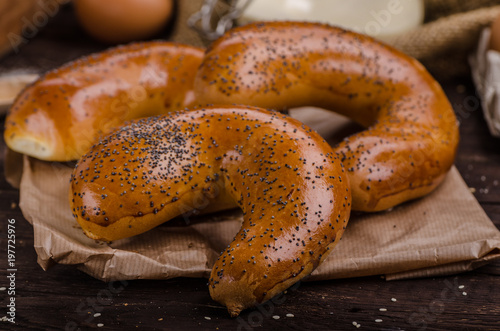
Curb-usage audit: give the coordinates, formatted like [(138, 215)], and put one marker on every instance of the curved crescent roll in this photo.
[(292, 189), (412, 132), (59, 116)]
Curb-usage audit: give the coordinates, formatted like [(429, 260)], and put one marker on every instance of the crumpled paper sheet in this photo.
[(485, 66), (444, 233)]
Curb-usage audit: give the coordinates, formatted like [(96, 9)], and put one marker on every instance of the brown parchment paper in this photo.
[(444, 233)]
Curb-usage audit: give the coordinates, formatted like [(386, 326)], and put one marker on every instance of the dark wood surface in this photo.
[(64, 298)]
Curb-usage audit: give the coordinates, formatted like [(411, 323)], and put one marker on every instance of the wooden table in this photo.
[(65, 298)]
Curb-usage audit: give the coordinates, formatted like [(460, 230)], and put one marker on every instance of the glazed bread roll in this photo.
[(59, 116), (411, 131), (287, 180)]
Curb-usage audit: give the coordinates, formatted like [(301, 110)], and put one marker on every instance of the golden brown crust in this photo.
[(412, 133), (290, 185), (59, 116)]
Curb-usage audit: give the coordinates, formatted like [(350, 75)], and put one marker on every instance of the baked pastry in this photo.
[(411, 132), (290, 185), (59, 116)]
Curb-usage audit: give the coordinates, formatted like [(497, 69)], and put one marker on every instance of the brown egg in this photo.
[(120, 21), (495, 35)]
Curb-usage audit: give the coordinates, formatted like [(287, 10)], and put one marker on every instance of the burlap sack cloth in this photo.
[(450, 33)]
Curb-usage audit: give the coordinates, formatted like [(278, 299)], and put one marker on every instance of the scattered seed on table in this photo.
[(208, 318), (3, 288), (383, 309), (276, 317), (378, 320), (290, 315), (484, 190), (461, 286), (394, 300), (100, 325), (97, 314), (464, 293)]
